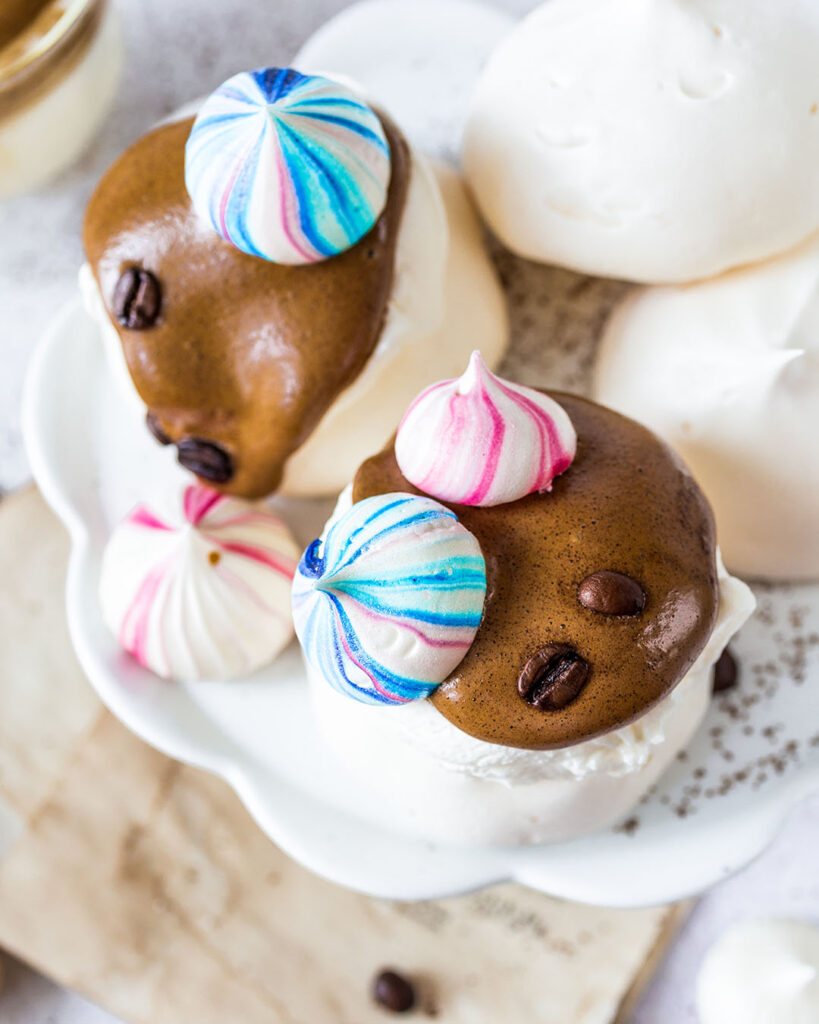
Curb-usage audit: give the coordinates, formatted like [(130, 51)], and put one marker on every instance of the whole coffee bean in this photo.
[(553, 677), (152, 423), (392, 991), (206, 459), (137, 299), (726, 672), (611, 593)]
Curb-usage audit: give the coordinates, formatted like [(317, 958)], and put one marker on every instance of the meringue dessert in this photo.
[(727, 371), (761, 972), (279, 276), (628, 139), (199, 588), (59, 69), (511, 619)]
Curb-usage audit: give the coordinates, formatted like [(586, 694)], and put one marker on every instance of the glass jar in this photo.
[(60, 63)]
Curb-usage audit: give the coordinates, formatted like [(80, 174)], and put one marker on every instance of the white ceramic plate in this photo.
[(757, 754)]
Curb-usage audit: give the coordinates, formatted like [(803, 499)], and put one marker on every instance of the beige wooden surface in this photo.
[(146, 885)]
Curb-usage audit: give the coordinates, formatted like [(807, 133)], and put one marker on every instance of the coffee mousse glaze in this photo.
[(244, 354), (627, 505)]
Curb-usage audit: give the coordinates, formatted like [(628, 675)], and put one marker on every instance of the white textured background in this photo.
[(176, 50)]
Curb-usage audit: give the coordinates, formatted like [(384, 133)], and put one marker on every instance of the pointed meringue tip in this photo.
[(476, 370)]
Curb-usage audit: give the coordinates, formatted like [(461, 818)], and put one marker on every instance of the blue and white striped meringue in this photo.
[(289, 167), (388, 604)]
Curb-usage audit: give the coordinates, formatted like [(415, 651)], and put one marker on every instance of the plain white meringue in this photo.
[(653, 140), (727, 371), (761, 972)]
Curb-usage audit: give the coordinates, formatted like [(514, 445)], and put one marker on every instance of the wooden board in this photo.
[(145, 884)]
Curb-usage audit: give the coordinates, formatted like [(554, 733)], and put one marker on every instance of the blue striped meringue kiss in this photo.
[(289, 167), (388, 604)]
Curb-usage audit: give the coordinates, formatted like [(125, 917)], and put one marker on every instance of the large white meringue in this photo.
[(761, 972), (200, 588), (727, 371), (652, 140)]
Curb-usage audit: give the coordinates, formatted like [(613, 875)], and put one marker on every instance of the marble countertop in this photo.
[(39, 255)]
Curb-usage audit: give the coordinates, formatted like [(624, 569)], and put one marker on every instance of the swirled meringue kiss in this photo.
[(481, 440), (388, 604), (198, 588), (289, 167)]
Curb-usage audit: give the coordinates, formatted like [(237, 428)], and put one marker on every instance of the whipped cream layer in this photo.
[(653, 141), (761, 972), (727, 371)]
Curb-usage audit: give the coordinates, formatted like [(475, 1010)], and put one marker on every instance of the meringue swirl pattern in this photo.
[(481, 440), (389, 602), (200, 589), (288, 167)]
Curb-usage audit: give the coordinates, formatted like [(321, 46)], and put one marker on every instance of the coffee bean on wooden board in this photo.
[(137, 299), (611, 593), (393, 992), (726, 672), (553, 677), (206, 459)]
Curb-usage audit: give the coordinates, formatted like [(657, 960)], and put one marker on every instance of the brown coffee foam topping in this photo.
[(626, 504), (246, 354)]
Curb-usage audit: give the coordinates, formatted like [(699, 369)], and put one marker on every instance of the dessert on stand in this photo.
[(276, 277)]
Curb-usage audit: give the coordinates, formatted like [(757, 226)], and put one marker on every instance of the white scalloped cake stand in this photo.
[(757, 754)]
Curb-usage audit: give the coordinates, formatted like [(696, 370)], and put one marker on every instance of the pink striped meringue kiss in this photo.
[(199, 588), (481, 440)]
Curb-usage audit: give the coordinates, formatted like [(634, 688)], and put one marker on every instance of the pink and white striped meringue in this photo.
[(481, 440), (200, 589)]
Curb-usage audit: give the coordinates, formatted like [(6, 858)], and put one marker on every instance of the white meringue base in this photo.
[(727, 371), (455, 789)]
